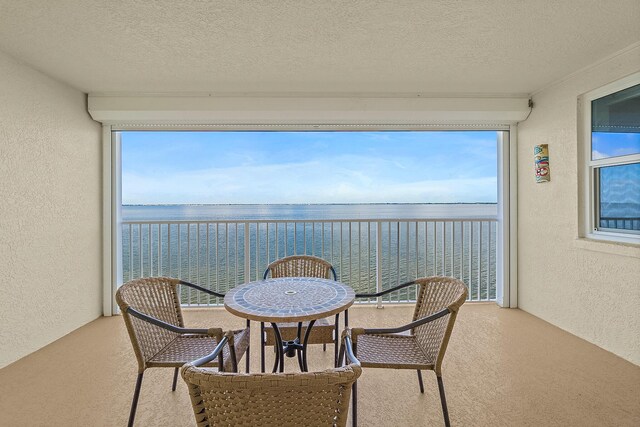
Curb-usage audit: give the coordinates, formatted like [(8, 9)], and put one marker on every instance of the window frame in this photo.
[(590, 167)]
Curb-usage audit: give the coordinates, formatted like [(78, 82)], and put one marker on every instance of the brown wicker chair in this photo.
[(151, 311), (323, 332), (437, 304), (310, 399)]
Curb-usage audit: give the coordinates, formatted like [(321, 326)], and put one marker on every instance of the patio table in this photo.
[(289, 299)]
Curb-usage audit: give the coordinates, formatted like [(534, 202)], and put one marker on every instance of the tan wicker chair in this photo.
[(323, 332), (310, 399), (151, 311), (438, 301)]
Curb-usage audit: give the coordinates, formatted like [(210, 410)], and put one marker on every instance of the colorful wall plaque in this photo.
[(541, 161)]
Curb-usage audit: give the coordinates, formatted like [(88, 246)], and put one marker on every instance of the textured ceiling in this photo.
[(277, 46)]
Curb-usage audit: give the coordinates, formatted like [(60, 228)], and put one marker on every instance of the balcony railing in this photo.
[(627, 223), (368, 255)]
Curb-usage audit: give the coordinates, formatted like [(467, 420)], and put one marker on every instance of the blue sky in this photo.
[(308, 167), (614, 144)]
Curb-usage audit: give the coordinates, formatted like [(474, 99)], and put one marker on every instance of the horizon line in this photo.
[(307, 204)]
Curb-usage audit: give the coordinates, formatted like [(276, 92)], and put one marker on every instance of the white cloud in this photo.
[(306, 182)]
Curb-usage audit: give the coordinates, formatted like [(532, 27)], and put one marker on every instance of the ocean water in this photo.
[(307, 212), (371, 246)]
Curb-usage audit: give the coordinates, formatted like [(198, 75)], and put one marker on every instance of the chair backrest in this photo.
[(156, 297), (301, 266), (306, 399), (435, 294)]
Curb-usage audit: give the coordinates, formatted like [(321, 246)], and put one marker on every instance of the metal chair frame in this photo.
[(213, 332), (452, 309)]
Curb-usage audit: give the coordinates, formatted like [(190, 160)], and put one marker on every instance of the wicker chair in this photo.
[(323, 332), (437, 305), (151, 311), (310, 399)]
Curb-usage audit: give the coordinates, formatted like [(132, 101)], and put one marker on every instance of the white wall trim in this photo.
[(116, 149), (506, 285), (273, 110), (502, 261), (107, 203), (111, 219), (307, 127), (513, 217)]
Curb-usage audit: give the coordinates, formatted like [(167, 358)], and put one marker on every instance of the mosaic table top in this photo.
[(289, 299)]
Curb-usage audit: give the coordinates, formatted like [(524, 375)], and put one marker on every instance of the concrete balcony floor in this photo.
[(503, 367)]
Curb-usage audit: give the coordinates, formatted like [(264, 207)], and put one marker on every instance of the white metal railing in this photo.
[(369, 255)]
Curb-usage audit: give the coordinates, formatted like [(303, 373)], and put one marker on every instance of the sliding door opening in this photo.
[(383, 207)]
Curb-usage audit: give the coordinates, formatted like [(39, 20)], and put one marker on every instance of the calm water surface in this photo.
[(316, 212), (212, 252)]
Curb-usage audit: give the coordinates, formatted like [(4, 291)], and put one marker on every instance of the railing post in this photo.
[(379, 261), (247, 254)]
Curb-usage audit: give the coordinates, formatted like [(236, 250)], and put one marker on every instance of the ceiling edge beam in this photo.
[(169, 109)]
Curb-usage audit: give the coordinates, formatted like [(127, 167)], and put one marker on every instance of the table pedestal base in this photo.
[(291, 348)]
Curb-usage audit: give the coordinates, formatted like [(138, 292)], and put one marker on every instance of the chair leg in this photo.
[(324, 347), (336, 337), (262, 347), (354, 404), (134, 403), (175, 379), (443, 400), (354, 394), (340, 355), (420, 381), (220, 362), (248, 347)]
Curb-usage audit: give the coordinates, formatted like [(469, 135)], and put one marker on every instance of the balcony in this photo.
[(73, 77)]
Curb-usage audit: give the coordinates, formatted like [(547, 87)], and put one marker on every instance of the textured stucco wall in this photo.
[(50, 214), (589, 289)]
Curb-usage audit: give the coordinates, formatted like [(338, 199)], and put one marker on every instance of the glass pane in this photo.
[(615, 124), (620, 197)]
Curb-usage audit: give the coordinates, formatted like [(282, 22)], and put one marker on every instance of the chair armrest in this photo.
[(348, 345), (232, 350), (201, 289), (411, 325), (214, 332), (388, 291), (217, 353), (213, 355)]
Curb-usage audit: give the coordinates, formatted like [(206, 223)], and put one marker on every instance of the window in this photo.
[(612, 122)]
